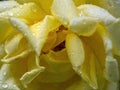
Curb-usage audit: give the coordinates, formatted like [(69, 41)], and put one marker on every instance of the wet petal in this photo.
[(75, 50), (29, 12), (25, 30), (6, 5), (84, 26), (7, 80), (64, 10), (96, 12)]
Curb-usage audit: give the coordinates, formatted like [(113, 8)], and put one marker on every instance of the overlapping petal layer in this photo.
[(59, 45)]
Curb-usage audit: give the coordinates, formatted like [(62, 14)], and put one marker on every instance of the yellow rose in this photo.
[(59, 45)]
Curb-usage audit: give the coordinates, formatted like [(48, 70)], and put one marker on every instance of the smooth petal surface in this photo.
[(75, 50)]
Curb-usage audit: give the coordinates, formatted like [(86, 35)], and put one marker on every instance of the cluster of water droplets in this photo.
[(3, 86)]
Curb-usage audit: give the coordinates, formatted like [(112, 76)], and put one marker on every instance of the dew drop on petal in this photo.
[(4, 7), (4, 86), (4, 73), (10, 13)]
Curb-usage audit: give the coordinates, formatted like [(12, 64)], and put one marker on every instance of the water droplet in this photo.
[(4, 73), (4, 86), (4, 7), (14, 24), (10, 13)]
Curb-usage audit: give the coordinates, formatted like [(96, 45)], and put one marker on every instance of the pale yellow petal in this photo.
[(48, 24), (96, 12), (84, 26), (58, 68), (114, 30), (6, 5), (34, 69), (12, 45), (111, 5), (10, 59), (29, 11), (92, 69), (7, 80), (75, 50), (64, 10), (111, 69), (25, 30)]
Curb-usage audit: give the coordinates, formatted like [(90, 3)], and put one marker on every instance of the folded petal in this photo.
[(58, 68), (34, 69)]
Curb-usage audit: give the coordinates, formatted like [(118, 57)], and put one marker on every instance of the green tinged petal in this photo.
[(111, 69), (114, 30)]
